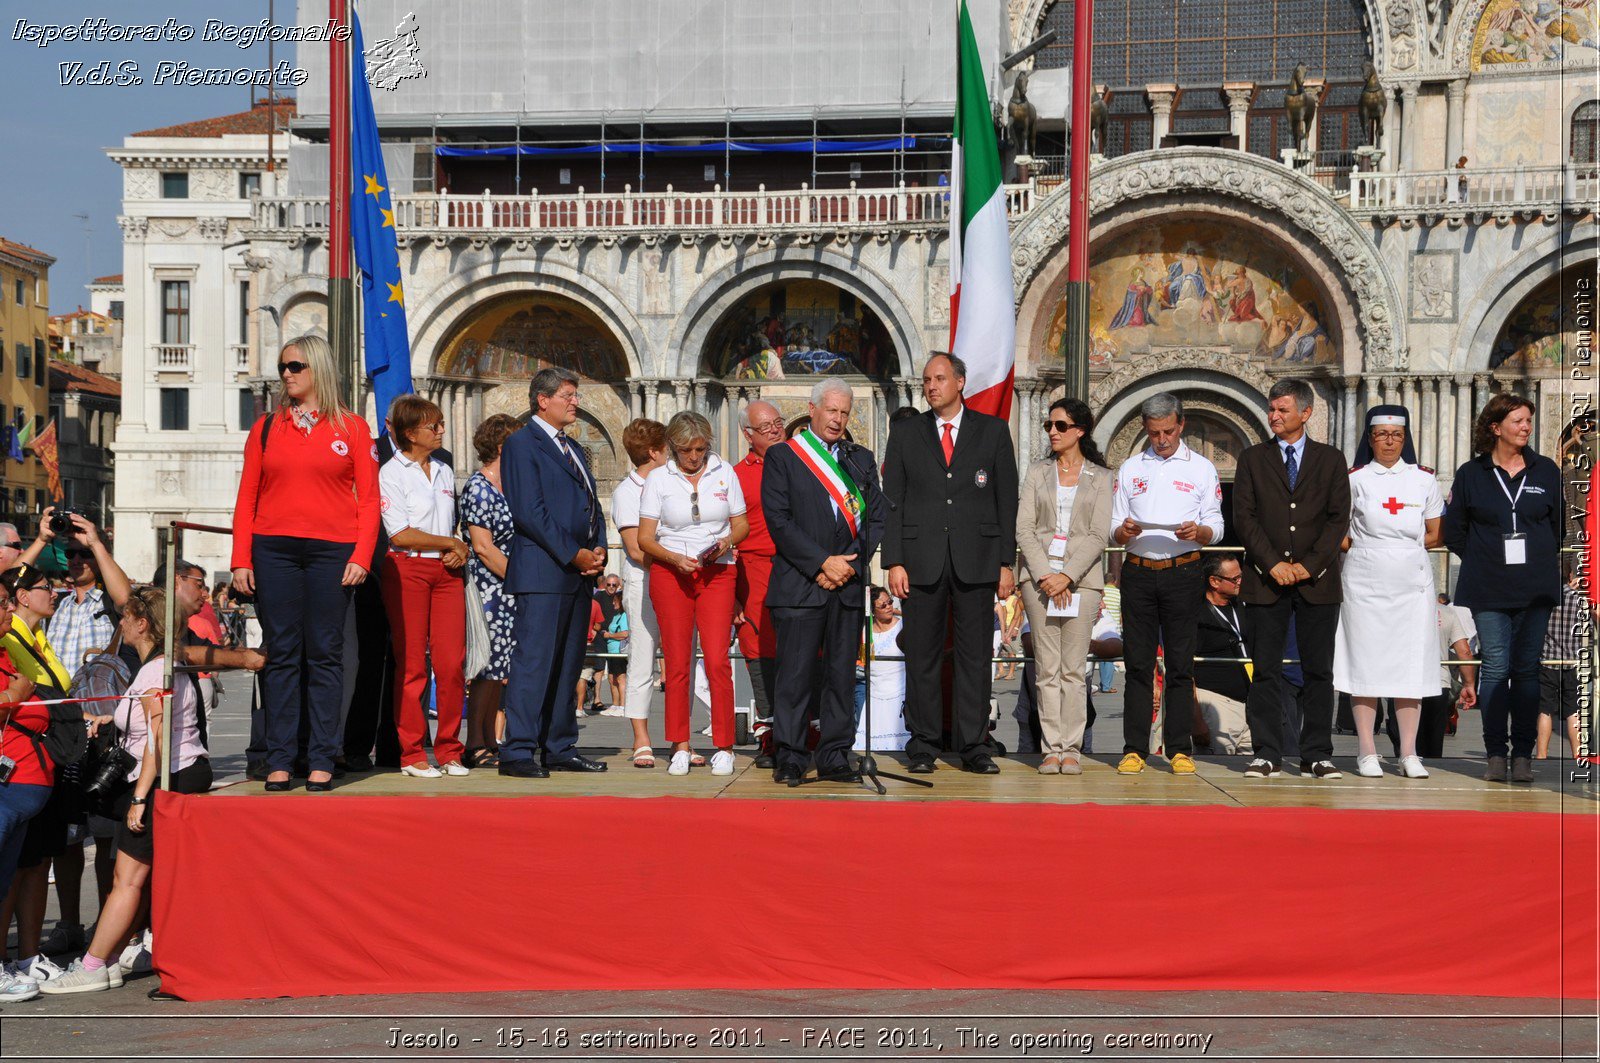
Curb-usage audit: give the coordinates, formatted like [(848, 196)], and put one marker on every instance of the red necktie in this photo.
[(948, 444)]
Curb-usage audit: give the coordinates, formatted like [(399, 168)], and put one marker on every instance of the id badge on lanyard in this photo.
[(1516, 543), (1058, 553)]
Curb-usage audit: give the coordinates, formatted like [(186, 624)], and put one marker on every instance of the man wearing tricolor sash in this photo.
[(825, 515)]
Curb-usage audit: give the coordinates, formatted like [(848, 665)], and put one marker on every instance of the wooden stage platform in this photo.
[(1455, 785)]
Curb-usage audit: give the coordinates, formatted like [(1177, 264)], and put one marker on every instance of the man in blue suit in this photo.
[(825, 513), (558, 549)]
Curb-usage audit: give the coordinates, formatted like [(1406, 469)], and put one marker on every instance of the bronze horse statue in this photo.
[(1022, 118), (1099, 121), (1302, 108), (1374, 105)]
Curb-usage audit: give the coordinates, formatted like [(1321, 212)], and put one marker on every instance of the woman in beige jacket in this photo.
[(1063, 524)]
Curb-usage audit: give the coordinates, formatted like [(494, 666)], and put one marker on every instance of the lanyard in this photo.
[(1238, 634), (1501, 478)]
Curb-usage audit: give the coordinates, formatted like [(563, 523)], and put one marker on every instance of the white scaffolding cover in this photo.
[(571, 61)]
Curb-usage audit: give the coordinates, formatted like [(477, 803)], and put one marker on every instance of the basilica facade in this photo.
[(735, 231)]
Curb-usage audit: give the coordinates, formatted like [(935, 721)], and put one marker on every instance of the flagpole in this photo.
[(1075, 339), (341, 293)]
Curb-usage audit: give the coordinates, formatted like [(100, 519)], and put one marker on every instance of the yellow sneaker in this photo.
[(1182, 764), (1131, 764)]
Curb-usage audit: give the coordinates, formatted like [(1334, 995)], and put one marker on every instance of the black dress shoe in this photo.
[(523, 769), (766, 760), (982, 764), (279, 787), (788, 775), (575, 763), (921, 764), (843, 773), (318, 787)]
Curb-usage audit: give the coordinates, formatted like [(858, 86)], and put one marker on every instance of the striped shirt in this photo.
[(78, 629), (1571, 623)]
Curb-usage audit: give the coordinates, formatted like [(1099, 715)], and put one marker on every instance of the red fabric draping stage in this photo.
[(265, 896)]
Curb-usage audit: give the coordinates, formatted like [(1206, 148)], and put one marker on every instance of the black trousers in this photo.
[(930, 614), (1160, 608), (302, 609), (370, 722), (1314, 629), (834, 630)]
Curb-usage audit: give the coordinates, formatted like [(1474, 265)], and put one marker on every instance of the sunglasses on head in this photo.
[(1059, 426), (293, 367)]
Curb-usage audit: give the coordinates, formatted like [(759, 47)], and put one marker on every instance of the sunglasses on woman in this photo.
[(293, 367), (1059, 426)]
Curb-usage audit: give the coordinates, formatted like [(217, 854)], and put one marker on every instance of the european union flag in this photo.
[(372, 231), (13, 443)]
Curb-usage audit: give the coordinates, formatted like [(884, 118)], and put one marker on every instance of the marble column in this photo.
[(1408, 394), (680, 396), (1239, 94), (1428, 421), (1390, 139), (1482, 391), (1465, 412), (1352, 416), (1445, 430), (1410, 127), (1162, 98), (1455, 122), (1316, 89)]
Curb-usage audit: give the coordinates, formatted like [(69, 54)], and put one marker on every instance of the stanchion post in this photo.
[(168, 646)]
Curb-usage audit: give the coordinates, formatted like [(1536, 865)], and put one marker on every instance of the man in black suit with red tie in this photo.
[(950, 478), (825, 514)]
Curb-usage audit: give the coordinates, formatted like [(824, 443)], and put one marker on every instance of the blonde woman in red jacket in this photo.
[(304, 530)]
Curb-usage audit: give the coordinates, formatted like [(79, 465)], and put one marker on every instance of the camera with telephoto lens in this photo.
[(110, 775), (61, 521)]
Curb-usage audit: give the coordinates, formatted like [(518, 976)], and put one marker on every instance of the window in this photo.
[(174, 311), (116, 309), (1586, 134), (244, 311), (565, 175), (247, 409), (24, 361), (249, 185), (175, 185), (39, 296), (39, 362), (22, 294), (174, 409)]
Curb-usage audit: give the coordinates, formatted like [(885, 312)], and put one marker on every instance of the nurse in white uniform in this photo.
[(1387, 643), (888, 680)]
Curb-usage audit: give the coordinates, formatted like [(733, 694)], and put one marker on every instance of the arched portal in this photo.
[(777, 340), (492, 352)]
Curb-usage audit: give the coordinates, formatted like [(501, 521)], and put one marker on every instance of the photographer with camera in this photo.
[(26, 778), (85, 619)]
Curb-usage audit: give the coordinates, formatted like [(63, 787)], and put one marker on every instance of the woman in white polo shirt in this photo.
[(423, 592), (691, 516)]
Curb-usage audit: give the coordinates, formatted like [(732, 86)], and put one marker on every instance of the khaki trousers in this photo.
[(1060, 649)]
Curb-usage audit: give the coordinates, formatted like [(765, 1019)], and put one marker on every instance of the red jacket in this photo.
[(317, 485), (759, 541)]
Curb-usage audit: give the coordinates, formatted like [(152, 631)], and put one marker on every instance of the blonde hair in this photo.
[(150, 605), (685, 428), (318, 354)]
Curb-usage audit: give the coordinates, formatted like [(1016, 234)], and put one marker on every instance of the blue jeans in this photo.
[(1108, 674), (19, 802), (1508, 681)]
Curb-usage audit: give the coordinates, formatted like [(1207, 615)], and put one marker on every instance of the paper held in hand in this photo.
[(1065, 606)]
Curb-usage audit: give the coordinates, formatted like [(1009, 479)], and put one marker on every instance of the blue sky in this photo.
[(55, 136)]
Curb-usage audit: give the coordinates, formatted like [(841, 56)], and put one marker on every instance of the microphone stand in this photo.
[(867, 764)]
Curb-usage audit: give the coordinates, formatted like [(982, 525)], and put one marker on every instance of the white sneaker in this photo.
[(1370, 766), (1411, 767), (680, 763), (721, 763), (707, 731), (80, 979), (135, 959), (422, 770), (615, 710), (15, 988), (456, 769), (39, 969)]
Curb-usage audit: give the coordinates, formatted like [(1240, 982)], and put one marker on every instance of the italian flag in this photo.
[(983, 322)]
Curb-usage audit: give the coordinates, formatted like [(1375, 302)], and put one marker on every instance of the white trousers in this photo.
[(642, 639)]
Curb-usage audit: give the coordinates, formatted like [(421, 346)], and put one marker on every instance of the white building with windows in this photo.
[(189, 326)]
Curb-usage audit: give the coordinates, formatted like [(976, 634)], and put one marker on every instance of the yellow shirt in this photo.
[(16, 643)]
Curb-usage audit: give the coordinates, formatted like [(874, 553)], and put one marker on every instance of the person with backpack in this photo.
[(28, 775), (27, 646), (305, 529), (138, 718)]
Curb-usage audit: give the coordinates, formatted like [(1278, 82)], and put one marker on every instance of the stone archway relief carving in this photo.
[(1235, 175), (1218, 359)]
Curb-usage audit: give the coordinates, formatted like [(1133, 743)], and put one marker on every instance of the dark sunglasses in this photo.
[(694, 505), (293, 367), (16, 545), (1059, 426), (79, 554)]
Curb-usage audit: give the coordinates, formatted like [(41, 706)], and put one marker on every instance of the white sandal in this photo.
[(644, 757)]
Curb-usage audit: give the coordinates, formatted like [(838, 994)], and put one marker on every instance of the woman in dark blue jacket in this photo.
[(1506, 521)]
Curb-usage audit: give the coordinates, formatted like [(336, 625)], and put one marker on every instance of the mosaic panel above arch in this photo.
[(1535, 32), (1202, 283), (799, 328), (514, 336), (1542, 333)]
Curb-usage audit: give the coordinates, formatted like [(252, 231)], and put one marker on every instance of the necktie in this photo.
[(1291, 466), (588, 488), (948, 443)]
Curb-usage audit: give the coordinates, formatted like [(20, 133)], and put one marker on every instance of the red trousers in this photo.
[(758, 637), (703, 601), (427, 607)]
